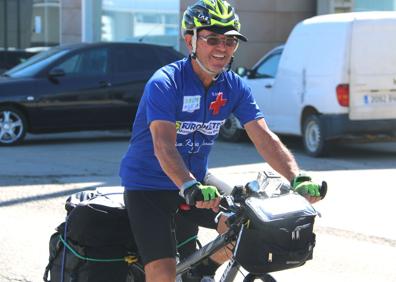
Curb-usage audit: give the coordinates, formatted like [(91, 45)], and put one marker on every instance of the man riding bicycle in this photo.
[(178, 119)]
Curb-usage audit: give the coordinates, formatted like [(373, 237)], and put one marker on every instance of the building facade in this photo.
[(267, 23), (343, 6)]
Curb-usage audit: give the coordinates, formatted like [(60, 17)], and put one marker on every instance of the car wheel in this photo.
[(230, 130), (12, 126), (314, 137)]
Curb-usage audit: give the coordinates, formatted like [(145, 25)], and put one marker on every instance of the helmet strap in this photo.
[(228, 68), (194, 44)]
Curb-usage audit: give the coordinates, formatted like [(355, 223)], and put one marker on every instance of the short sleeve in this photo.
[(246, 108), (160, 98)]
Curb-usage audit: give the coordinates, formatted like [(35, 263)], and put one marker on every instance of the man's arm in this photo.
[(164, 140), (272, 149)]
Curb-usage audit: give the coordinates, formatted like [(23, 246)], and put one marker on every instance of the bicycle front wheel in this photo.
[(263, 277)]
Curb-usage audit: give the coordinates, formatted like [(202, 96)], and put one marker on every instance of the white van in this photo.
[(334, 78)]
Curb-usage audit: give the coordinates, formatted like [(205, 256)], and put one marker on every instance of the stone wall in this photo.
[(71, 26)]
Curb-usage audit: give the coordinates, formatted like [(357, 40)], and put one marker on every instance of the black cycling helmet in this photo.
[(215, 15)]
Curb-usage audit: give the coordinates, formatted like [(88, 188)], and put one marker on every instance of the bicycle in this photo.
[(268, 186), (266, 234)]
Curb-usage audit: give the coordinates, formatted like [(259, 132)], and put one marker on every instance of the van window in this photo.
[(269, 67)]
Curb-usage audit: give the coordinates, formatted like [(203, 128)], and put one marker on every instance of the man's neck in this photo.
[(206, 78)]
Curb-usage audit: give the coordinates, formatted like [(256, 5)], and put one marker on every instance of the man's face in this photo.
[(215, 50)]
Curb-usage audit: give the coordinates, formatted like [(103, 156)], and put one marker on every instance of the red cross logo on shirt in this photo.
[(218, 103)]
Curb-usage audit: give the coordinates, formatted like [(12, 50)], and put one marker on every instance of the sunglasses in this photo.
[(214, 41)]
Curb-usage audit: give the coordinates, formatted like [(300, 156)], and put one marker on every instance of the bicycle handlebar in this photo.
[(323, 189)]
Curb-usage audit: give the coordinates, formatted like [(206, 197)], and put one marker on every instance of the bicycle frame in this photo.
[(212, 247)]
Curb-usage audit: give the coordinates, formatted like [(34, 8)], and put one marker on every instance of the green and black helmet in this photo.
[(212, 14)]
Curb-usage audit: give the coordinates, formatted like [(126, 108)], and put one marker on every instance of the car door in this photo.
[(261, 80), (78, 96), (132, 66)]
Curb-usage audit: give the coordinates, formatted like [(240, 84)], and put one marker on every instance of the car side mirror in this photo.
[(242, 71), (56, 72)]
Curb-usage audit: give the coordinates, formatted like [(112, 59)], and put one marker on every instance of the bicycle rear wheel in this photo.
[(263, 277)]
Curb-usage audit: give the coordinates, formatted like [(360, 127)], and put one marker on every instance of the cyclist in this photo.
[(178, 119)]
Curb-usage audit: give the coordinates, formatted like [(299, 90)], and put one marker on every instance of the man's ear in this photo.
[(188, 41)]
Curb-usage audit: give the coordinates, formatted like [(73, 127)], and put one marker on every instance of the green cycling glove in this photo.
[(303, 185), (199, 192)]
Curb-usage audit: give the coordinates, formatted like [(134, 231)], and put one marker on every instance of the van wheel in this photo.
[(12, 126), (313, 137), (230, 130)]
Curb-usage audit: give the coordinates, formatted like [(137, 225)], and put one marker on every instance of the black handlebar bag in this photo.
[(95, 243), (279, 234)]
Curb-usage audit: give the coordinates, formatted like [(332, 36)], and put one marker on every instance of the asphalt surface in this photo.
[(356, 235)]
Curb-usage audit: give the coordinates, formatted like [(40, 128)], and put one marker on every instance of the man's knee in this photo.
[(222, 226), (163, 270)]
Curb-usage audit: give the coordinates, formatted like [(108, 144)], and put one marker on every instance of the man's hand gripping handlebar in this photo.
[(202, 196)]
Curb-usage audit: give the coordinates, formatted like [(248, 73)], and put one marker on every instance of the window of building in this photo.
[(377, 5), (146, 21), (29, 23)]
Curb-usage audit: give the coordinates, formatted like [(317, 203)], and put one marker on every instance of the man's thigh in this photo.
[(151, 215)]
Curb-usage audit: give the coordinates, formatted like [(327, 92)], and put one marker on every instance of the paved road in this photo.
[(356, 235)]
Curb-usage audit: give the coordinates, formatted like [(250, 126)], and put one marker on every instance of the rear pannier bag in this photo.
[(95, 242), (279, 236)]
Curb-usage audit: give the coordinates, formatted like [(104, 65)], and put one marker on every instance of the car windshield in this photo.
[(36, 63)]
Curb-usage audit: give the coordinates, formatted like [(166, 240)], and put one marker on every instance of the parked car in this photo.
[(335, 78), (77, 87)]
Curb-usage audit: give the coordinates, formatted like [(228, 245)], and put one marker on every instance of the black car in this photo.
[(77, 87)]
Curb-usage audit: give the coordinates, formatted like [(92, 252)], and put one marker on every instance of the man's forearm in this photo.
[(279, 157), (270, 147), (173, 165)]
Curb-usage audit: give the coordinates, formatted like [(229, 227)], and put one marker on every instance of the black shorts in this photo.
[(151, 216)]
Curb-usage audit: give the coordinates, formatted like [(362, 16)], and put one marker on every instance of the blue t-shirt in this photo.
[(175, 93)]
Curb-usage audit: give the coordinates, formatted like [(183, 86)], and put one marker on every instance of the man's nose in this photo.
[(222, 44)]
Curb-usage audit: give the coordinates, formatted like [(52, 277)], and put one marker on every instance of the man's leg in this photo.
[(161, 270), (225, 253), (225, 189), (187, 223), (185, 230), (151, 218)]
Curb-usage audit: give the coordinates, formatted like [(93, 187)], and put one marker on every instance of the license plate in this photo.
[(379, 99)]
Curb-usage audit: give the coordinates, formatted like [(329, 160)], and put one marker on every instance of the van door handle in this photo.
[(268, 86)]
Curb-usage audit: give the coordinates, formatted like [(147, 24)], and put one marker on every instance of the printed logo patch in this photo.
[(191, 103), (216, 105), (209, 128)]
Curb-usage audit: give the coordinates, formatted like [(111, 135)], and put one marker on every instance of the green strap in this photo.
[(87, 258), (74, 252), (186, 241)]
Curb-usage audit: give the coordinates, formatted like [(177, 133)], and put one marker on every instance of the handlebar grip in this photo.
[(223, 202), (323, 189)]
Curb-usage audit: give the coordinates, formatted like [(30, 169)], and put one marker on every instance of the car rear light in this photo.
[(343, 94)]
